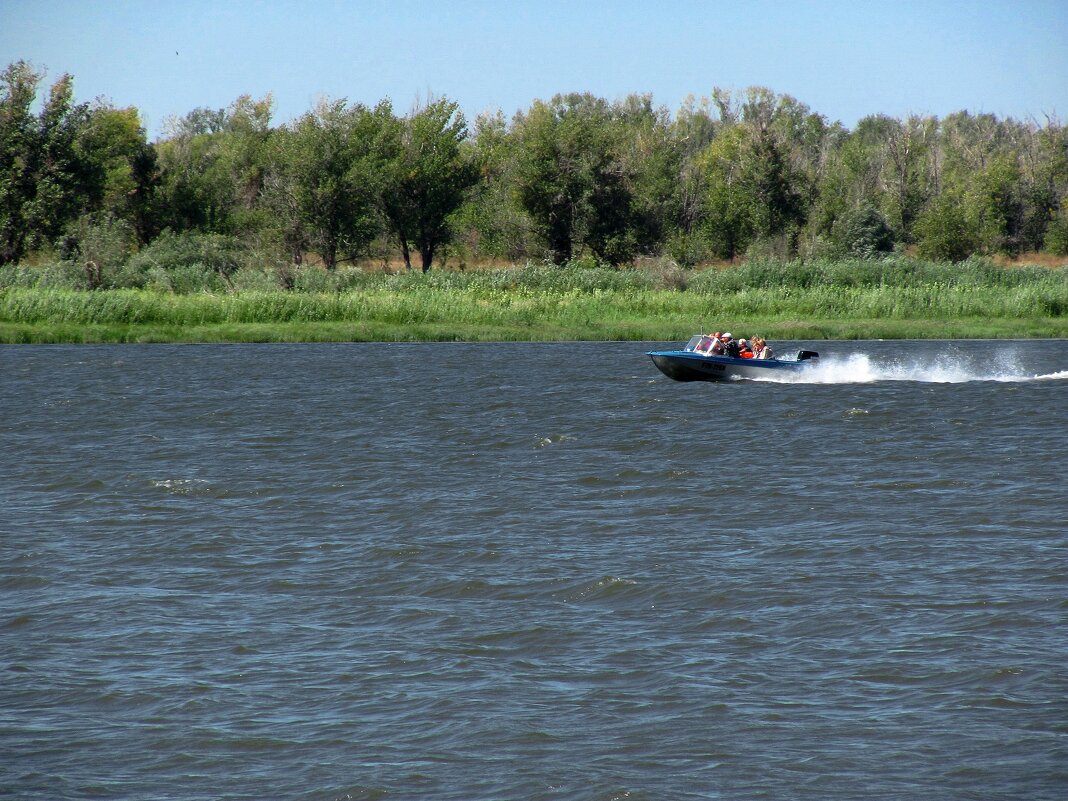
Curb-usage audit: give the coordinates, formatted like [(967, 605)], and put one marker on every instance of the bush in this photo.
[(587, 262), (52, 275), (664, 273), (218, 253), (943, 232), (100, 244), (1056, 241), (251, 279), (817, 246), (862, 233), (688, 249), (314, 279), (779, 247), (186, 279)]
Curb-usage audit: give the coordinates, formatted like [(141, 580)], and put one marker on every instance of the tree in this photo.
[(882, 171), (195, 193), (645, 203), (862, 233), (1043, 160), (17, 144), (428, 173), (751, 190), (327, 175), (851, 179), (1056, 240), (777, 188), (553, 175), (574, 179), (46, 181), (213, 166), (943, 231), (756, 174), (125, 168), (244, 154), (907, 174), (728, 216), (489, 223)]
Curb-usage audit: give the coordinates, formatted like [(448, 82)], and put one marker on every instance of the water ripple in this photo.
[(295, 572)]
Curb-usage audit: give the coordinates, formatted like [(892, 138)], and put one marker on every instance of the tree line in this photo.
[(577, 177)]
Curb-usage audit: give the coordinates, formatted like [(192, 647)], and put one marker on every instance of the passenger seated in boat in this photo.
[(761, 349), (744, 350), (730, 347), (715, 347)]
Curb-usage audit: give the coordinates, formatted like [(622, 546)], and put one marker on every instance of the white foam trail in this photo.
[(860, 368)]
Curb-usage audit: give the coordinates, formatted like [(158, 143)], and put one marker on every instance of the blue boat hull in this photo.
[(684, 365)]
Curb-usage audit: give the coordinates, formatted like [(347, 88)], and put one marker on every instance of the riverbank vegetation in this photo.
[(736, 175), (896, 297), (578, 218)]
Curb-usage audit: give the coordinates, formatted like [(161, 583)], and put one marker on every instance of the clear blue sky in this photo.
[(844, 58)]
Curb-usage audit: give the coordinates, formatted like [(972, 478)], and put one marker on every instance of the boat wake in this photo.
[(861, 368)]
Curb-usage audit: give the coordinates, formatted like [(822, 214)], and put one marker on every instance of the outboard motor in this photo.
[(805, 355)]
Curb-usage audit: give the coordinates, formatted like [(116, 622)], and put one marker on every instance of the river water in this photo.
[(532, 571)]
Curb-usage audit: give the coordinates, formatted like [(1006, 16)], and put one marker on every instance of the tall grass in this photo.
[(135, 307), (539, 301)]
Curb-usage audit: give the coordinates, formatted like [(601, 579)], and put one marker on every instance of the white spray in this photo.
[(861, 368)]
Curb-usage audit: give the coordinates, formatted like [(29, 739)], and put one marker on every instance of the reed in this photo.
[(886, 299)]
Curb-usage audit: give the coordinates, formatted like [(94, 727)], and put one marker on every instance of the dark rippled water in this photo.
[(532, 572)]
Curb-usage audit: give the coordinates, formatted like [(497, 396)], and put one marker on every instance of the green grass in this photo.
[(896, 298)]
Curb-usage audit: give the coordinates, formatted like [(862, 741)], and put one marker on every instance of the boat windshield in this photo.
[(694, 342)]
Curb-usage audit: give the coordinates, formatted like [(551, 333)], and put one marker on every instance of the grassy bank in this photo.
[(835, 300)]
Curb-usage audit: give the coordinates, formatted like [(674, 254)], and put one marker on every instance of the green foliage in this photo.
[(752, 192), (688, 248), (49, 275), (18, 88), (776, 188), (863, 233), (893, 296), (906, 180), (46, 178), (728, 222), (1057, 234), (750, 174), (984, 175), (102, 244), (556, 163), (489, 225), (212, 168), (427, 176), (577, 177), (125, 167), (943, 231), (187, 262), (327, 176), (891, 271)]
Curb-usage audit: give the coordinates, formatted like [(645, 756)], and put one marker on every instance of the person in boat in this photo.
[(761, 349), (730, 346), (744, 350), (715, 345)]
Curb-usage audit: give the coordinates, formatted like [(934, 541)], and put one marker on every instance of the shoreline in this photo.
[(340, 332), (799, 301)]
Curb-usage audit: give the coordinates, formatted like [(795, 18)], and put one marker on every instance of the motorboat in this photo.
[(692, 363)]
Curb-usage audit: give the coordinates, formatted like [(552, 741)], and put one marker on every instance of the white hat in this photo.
[(727, 335)]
